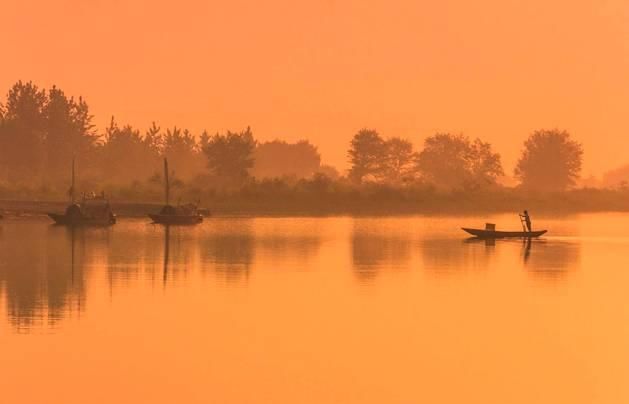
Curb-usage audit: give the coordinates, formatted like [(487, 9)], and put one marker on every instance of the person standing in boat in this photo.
[(527, 220)]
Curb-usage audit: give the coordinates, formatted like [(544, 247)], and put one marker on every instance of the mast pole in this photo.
[(166, 180)]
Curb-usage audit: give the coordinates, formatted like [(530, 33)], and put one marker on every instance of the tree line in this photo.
[(42, 129)]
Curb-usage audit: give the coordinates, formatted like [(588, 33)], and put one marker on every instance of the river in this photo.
[(315, 310)]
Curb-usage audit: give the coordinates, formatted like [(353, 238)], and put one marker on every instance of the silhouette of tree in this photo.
[(69, 132), (399, 164), (278, 159), (550, 161), (615, 178), (453, 161), (180, 148), (127, 155), (153, 137), (485, 165), (329, 171), (22, 133), (367, 156), (230, 156)]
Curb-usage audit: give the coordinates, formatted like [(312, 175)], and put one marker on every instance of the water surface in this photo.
[(315, 310)]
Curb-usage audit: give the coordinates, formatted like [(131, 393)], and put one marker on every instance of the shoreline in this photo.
[(330, 208)]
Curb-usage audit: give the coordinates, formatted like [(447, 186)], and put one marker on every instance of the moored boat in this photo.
[(93, 210), (180, 214)]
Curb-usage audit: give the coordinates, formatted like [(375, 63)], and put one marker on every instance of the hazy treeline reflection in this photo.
[(43, 272), (45, 269), (374, 248)]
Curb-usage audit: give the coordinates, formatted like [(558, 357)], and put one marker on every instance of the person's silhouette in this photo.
[(527, 220)]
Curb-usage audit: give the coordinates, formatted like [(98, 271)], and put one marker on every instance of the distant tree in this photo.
[(153, 137), (126, 155), (22, 133), (485, 164), (454, 161), (230, 156), (329, 171), (180, 147), (68, 132), (616, 177), (399, 162), (550, 161), (367, 155), (278, 159)]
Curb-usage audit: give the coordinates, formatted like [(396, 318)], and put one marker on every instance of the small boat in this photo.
[(180, 214), (93, 210), (488, 233)]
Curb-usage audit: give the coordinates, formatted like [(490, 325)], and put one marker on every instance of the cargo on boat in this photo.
[(92, 210)]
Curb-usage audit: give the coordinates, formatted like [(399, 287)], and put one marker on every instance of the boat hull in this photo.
[(176, 219), (67, 220), (504, 234)]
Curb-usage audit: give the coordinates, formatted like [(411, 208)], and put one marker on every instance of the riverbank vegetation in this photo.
[(41, 131)]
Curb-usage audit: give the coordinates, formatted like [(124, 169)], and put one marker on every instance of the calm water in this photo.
[(315, 310)]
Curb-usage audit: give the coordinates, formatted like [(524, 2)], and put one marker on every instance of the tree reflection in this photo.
[(229, 249), (374, 249), (43, 279), (443, 256)]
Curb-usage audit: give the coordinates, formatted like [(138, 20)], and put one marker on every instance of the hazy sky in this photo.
[(321, 70)]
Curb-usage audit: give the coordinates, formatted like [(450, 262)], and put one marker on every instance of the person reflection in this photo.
[(546, 259), (526, 247), (377, 248), (229, 249)]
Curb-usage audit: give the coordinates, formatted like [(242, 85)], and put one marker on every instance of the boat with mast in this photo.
[(180, 214), (93, 209)]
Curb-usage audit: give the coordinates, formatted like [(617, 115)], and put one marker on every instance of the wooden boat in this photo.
[(93, 210), (487, 233), (177, 215)]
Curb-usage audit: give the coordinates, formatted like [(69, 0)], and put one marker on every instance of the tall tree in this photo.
[(127, 155), (69, 132), (367, 155), (550, 161), (230, 156), (454, 161), (22, 133), (180, 148), (399, 164)]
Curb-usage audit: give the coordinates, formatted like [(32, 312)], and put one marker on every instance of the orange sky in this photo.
[(321, 70)]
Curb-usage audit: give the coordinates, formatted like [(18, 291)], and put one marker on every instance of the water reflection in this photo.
[(374, 248), (550, 259), (44, 269), (45, 278), (443, 256), (229, 249)]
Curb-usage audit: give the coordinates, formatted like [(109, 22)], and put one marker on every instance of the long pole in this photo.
[(166, 181), (72, 188)]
